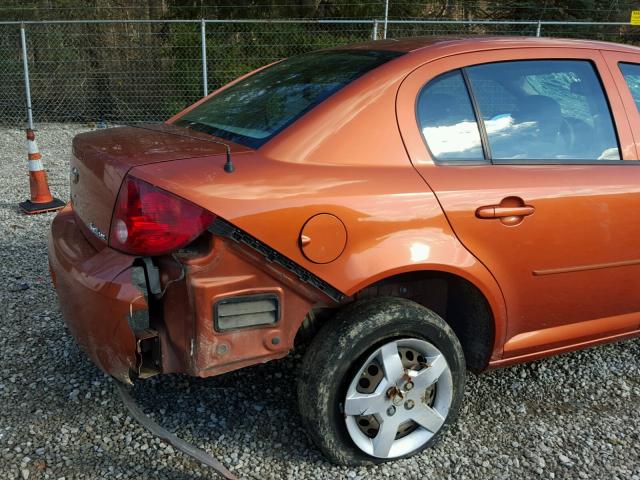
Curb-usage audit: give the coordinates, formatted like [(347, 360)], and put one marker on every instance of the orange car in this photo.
[(411, 208)]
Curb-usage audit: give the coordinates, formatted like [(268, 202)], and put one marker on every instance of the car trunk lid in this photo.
[(101, 159)]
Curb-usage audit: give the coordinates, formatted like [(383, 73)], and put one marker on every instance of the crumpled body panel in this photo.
[(96, 296)]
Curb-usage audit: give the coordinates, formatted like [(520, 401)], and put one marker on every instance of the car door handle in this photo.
[(497, 211), (511, 211)]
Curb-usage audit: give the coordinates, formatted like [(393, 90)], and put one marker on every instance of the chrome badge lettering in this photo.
[(75, 175), (97, 232)]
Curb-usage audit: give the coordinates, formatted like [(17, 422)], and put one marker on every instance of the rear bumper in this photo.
[(96, 295), (111, 318)]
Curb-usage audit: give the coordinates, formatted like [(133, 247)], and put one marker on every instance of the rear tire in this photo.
[(382, 380)]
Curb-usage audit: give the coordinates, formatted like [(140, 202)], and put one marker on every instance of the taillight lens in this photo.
[(150, 221)]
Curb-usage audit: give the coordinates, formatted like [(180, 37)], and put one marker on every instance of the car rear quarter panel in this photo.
[(346, 159)]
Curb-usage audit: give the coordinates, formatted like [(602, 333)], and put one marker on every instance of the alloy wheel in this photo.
[(399, 398)]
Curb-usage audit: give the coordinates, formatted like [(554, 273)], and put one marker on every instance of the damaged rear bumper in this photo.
[(136, 317), (97, 296)]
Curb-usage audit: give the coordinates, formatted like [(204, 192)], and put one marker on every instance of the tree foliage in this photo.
[(591, 10), (140, 71)]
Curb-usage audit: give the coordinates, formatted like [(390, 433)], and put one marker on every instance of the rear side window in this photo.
[(544, 110), (447, 121), (257, 108), (631, 73)]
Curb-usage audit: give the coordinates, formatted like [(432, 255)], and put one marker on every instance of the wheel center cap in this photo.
[(396, 395)]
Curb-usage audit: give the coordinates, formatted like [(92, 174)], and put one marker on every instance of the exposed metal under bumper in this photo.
[(170, 438)]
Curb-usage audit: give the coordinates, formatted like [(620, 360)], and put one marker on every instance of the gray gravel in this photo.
[(575, 416)]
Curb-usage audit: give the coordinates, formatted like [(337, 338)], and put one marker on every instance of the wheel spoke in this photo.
[(429, 375), (391, 362), (365, 403), (428, 418), (383, 441)]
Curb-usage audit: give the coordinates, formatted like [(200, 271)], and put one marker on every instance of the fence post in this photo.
[(374, 34), (27, 82), (539, 28), (386, 18), (203, 41)]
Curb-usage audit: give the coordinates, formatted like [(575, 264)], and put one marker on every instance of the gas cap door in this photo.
[(323, 238)]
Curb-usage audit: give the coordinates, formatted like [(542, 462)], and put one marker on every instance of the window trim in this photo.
[(484, 136), (528, 161), (562, 161)]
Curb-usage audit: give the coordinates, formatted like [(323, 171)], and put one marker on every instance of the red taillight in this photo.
[(151, 221)]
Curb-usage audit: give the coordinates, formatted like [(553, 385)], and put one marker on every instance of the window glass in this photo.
[(495, 98), (447, 120), (631, 73), (544, 110), (254, 110)]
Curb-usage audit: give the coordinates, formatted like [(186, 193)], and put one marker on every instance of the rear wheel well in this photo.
[(455, 299)]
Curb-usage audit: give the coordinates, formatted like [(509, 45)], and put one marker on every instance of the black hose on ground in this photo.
[(170, 438)]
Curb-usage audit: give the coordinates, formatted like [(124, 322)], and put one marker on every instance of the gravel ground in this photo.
[(575, 416)]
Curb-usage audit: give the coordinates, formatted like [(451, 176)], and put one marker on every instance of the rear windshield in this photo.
[(256, 109)]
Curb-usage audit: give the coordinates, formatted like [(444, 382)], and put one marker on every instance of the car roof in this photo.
[(479, 42)]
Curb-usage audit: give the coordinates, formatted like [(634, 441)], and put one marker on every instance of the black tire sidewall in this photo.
[(345, 343)]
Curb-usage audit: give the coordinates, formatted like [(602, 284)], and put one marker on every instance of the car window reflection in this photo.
[(556, 109), (447, 119)]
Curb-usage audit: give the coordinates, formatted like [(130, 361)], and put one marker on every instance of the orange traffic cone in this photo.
[(41, 200)]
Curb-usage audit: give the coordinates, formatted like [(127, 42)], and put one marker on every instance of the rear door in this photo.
[(544, 189)]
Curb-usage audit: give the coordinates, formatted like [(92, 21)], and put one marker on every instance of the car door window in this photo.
[(496, 99), (631, 74), (544, 110), (447, 121)]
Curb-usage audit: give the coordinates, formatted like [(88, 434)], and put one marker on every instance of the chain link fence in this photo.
[(127, 71)]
